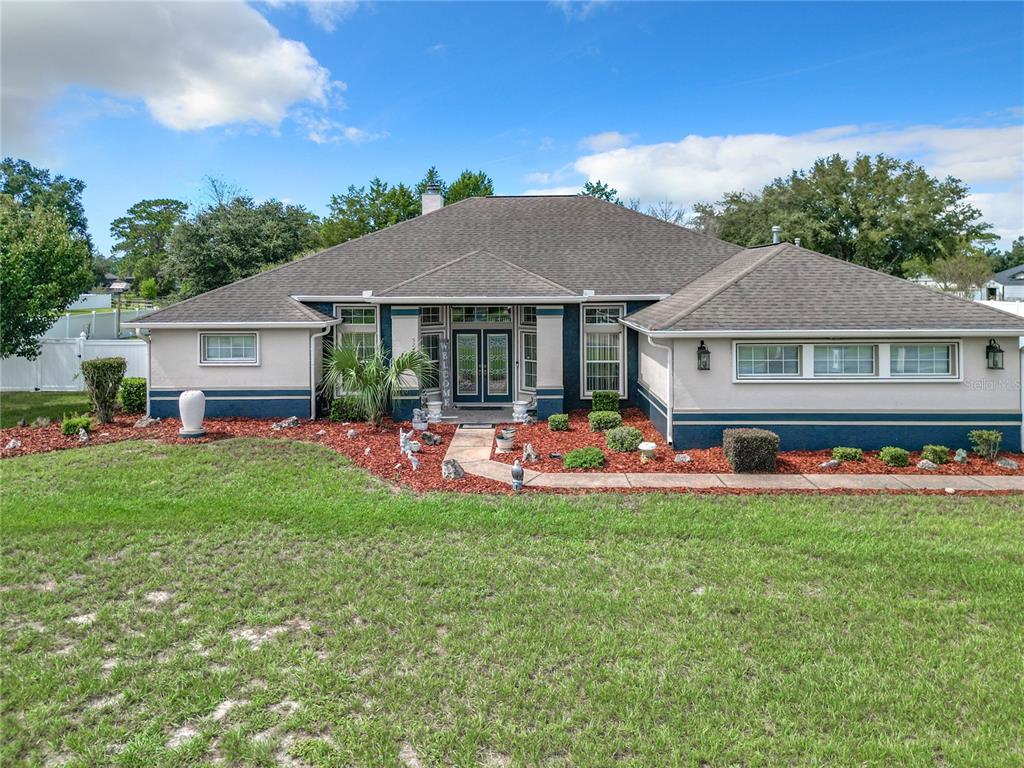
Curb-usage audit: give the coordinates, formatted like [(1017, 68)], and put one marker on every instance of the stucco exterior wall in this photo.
[(277, 386), (864, 413)]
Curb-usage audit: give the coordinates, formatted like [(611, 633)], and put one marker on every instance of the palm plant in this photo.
[(372, 381)]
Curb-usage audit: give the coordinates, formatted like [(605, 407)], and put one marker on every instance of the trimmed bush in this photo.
[(842, 453), (558, 422), (985, 442), (345, 409), (133, 394), (584, 458), (937, 454), (623, 439), (103, 379), (750, 450), (602, 421), (894, 457), (71, 424), (605, 400)]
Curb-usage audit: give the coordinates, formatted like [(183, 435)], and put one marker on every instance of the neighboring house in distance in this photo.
[(552, 298), (1008, 284)]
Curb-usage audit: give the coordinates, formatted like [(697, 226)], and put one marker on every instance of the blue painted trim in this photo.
[(269, 408), (554, 391), (656, 411), (736, 416), (549, 407), (550, 311), (174, 394), (405, 311)]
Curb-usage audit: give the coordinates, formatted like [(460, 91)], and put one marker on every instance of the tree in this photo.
[(141, 236), (43, 268), (963, 272), (360, 210), (148, 288), (1012, 257), (237, 239), (32, 187), (431, 179), (601, 191), (667, 210), (876, 211), (469, 184), (705, 219)]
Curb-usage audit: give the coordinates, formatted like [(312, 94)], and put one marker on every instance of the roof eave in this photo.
[(216, 324), (826, 332)]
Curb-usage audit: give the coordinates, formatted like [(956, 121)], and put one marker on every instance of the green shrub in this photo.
[(623, 439), (133, 394), (937, 454), (103, 378), (605, 400), (584, 458), (558, 422), (842, 453), (985, 442), (71, 424), (602, 421), (750, 450), (345, 409), (894, 457)]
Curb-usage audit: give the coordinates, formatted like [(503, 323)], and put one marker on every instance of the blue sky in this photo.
[(665, 101)]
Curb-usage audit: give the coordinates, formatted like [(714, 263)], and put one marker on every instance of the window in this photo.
[(602, 315), (845, 359), (358, 329), (602, 349), (765, 360), (430, 316), (529, 360), (482, 314), (227, 349), (529, 315), (921, 360), (431, 343)]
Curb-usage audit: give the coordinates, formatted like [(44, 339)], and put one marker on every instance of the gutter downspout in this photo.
[(312, 369), (670, 347), (149, 365)]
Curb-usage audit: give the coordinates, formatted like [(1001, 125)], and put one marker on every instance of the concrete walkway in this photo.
[(472, 449)]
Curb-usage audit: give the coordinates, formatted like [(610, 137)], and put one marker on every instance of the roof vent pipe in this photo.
[(776, 234), (796, 241)]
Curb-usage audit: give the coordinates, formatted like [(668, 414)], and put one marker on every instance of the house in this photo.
[(551, 298), (1007, 285)]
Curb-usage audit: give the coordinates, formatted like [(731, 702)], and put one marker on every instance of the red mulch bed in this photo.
[(545, 442)]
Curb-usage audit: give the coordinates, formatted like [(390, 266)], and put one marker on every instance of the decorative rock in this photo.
[(414, 446), (960, 457), (146, 421), (367, 451), (430, 438), (452, 470), (830, 464), (517, 476), (14, 444), (351, 434), (22, 423), (291, 421), (530, 455), (321, 432), (530, 419), (83, 436), (950, 491), (682, 458), (41, 421), (554, 455), (925, 464), (1006, 463)]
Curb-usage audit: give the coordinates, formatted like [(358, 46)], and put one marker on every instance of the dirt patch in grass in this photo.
[(257, 636)]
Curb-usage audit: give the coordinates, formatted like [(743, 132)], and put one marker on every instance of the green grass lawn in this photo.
[(29, 405), (263, 603)]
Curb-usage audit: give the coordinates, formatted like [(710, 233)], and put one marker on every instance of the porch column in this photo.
[(405, 334), (550, 392)]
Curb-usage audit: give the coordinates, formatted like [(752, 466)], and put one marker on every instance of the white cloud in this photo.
[(577, 9), (321, 129), (603, 142), (988, 159), (326, 14), (193, 65)]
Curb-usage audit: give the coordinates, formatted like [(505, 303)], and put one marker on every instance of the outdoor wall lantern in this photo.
[(994, 355), (704, 358)]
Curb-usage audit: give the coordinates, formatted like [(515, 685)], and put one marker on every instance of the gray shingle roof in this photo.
[(1011, 276), (481, 274), (573, 241), (783, 287)]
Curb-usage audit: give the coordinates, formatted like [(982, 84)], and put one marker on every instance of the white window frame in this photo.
[(522, 316), (954, 361), (438, 331), (440, 315), (828, 344), (615, 327), (883, 374), (529, 330), (201, 355), (800, 367)]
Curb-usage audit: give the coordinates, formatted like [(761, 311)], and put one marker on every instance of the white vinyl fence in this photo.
[(58, 367), (97, 325)]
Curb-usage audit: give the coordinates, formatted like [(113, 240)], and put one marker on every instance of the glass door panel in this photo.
[(467, 366), (497, 364)]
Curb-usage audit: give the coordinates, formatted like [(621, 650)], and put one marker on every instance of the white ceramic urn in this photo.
[(192, 407), (433, 411)]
